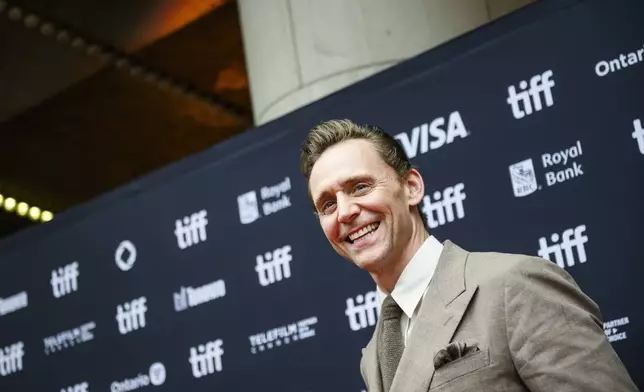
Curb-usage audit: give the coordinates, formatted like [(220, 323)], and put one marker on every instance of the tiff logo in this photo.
[(11, 359), (192, 230), (363, 312), (82, 387), (440, 210), (638, 134), (274, 266), (528, 100), (206, 359), (563, 245), (130, 316), (64, 280)]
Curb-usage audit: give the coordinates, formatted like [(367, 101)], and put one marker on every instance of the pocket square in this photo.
[(452, 352)]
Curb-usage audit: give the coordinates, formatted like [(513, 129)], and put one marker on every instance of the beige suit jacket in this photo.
[(534, 328)]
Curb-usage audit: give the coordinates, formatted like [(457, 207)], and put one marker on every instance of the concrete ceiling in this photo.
[(96, 94)]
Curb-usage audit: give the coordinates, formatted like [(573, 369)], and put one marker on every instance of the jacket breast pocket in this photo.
[(460, 367)]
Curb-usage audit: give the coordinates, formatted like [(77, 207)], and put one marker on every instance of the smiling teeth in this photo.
[(365, 230)]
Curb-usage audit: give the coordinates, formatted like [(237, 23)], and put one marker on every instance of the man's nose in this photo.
[(347, 209)]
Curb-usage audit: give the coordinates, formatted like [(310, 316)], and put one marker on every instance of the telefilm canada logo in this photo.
[(433, 135), (13, 303), (272, 199), (558, 167), (69, 338), (283, 335), (155, 376)]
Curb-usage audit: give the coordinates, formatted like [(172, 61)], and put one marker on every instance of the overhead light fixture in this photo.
[(23, 209)]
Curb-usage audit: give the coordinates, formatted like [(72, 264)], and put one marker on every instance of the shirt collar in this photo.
[(415, 277)]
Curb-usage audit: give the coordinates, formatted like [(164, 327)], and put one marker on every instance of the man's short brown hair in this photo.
[(329, 133)]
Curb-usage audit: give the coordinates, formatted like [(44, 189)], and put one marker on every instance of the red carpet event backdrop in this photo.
[(213, 273)]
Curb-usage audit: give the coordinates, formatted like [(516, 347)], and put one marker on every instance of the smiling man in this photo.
[(450, 320)]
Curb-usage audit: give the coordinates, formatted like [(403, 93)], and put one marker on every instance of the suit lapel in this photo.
[(441, 312), (372, 368)]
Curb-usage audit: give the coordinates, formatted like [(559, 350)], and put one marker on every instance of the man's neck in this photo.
[(387, 279)]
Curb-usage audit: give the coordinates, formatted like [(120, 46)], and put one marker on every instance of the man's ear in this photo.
[(415, 187)]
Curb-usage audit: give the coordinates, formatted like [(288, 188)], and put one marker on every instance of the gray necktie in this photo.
[(390, 341)]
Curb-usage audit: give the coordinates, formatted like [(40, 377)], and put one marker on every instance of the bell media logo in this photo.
[(529, 97), (125, 255), (274, 198), (64, 280), (206, 359), (638, 134), (363, 310), (69, 338), (11, 358), (445, 206), (13, 303), (273, 266), (156, 376), (562, 246), (434, 135)]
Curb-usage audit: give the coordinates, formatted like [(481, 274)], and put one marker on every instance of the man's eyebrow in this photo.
[(347, 181)]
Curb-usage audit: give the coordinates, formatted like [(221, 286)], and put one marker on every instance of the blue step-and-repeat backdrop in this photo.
[(213, 273)]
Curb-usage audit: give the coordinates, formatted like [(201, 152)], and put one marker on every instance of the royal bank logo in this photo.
[(70, 338), (64, 280), (283, 335), (433, 135), (155, 376), (189, 297), (363, 310), (638, 134), (442, 207), (11, 358), (273, 199), (125, 255), (207, 358), (274, 266), (614, 329), (13, 303), (558, 167), (191, 230), (80, 387), (524, 179), (567, 248), (528, 99)]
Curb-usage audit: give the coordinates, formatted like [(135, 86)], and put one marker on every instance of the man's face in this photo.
[(365, 209)]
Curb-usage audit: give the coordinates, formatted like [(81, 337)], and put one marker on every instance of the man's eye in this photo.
[(361, 187), (327, 207)]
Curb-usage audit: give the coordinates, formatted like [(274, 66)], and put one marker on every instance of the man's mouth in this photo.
[(365, 231)]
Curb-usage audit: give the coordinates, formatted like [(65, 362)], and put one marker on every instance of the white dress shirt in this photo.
[(413, 282)]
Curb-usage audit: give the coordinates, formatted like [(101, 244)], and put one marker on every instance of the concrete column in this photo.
[(298, 51)]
